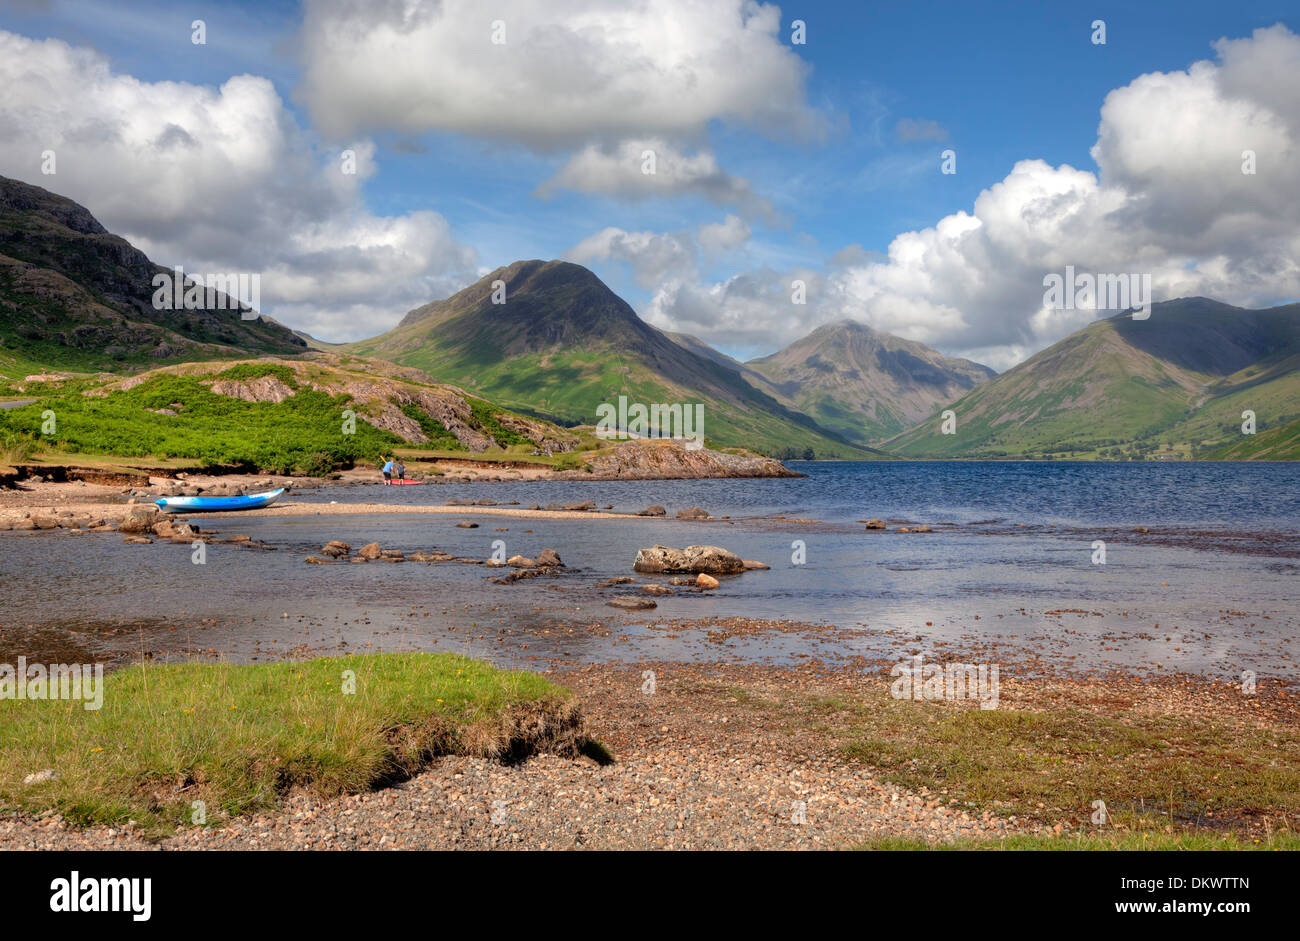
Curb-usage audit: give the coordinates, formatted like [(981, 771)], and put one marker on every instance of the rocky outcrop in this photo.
[(262, 389), (671, 460), (711, 560)]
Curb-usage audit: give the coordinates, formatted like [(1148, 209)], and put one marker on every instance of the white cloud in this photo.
[(569, 73), (1170, 199), (653, 257), (660, 259), (221, 179), (653, 167)]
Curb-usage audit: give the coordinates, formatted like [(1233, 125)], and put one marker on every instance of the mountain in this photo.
[(1175, 385), (563, 343), (864, 384), (74, 296)]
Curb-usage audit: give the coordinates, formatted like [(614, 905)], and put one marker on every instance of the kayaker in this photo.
[(401, 470), (388, 471)]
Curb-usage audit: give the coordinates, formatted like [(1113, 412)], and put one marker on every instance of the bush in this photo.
[(15, 447), (302, 433)]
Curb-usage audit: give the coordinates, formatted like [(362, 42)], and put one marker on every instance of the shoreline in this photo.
[(717, 756)]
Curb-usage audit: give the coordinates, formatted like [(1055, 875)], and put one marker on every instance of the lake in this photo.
[(1010, 571)]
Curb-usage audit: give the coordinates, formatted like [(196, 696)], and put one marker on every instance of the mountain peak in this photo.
[(863, 383)]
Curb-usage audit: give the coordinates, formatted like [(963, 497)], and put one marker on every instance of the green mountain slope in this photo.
[(74, 296), (1276, 444), (866, 385), (1173, 385), (563, 343)]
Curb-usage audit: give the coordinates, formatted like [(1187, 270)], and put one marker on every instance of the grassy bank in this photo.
[(1150, 769), (238, 738), (1182, 760), (1103, 842)]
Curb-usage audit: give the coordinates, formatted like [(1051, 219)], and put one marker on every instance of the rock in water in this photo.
[(875, 524), (371, 551), (631, 604), (694, 513), (549, 558), (139, 520), (693, 559), (652, 511), (706, 581)]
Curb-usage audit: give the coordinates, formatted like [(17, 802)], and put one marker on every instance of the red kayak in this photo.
[(405, 483)]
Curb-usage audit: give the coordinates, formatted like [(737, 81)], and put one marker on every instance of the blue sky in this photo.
[(998, 83)]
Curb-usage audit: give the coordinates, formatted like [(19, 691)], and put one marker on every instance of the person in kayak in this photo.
[(388, 471), (400, 468)]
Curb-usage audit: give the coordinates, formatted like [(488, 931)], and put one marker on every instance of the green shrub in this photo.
[(304, 433)]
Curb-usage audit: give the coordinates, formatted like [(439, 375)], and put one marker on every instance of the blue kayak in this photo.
[(253, 501)]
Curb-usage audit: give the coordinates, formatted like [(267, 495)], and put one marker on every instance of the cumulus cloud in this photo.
[(646, 167), (653, 257), (221, 179), (717, 238), (1170, 199), (562, 74), (660, 259)]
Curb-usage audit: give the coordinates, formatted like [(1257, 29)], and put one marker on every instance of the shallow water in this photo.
[(1014, 575)]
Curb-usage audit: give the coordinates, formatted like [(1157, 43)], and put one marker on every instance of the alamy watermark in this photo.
[(945, 681), (35, 681), (1085, 291), (178, 291), (651, 421)]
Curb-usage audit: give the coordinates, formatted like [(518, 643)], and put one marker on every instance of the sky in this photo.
[(481, 133)]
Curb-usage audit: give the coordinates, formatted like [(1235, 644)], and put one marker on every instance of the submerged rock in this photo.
[(629, 603)]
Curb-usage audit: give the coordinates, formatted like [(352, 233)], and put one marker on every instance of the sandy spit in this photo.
[(367, 509)]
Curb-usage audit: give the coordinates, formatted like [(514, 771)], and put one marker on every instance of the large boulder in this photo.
[(693, 559), (140, 519)]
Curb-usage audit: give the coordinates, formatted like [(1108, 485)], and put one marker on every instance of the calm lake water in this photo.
[(1211, 588)]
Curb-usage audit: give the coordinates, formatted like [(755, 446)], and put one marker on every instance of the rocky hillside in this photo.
[(75, 296), (307, 415), (667, 460), (402, 401)]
